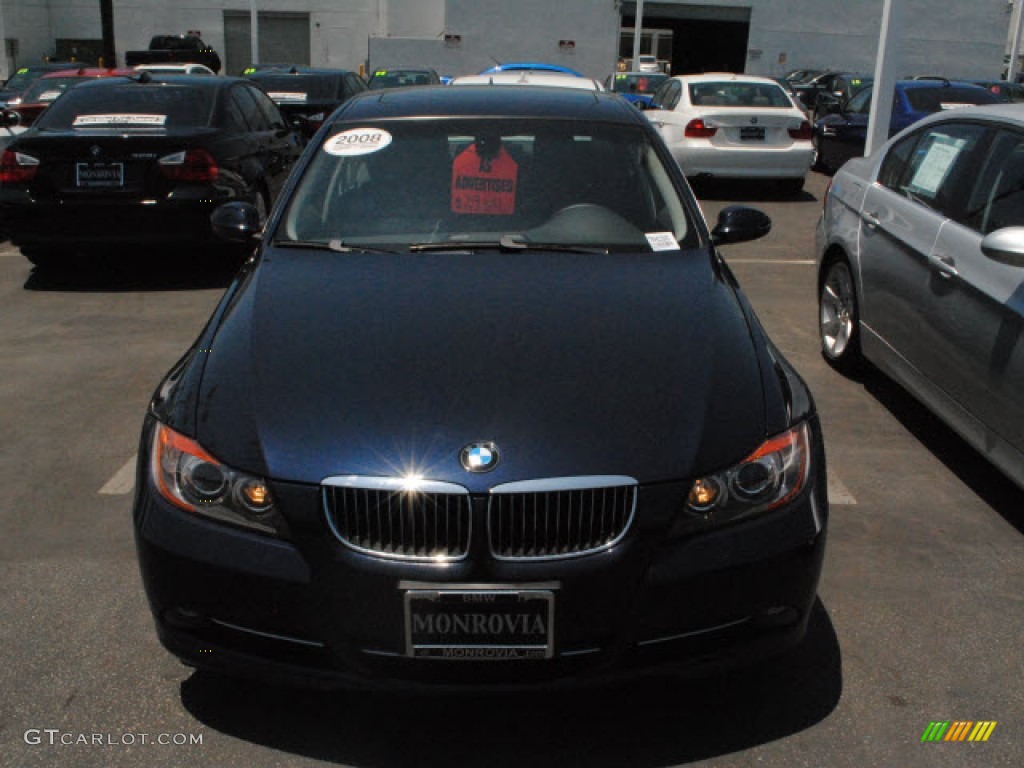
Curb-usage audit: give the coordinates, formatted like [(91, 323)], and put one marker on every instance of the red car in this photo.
[(47, 88)]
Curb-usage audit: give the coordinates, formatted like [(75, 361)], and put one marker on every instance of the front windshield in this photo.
[(399, 78), (22, 80), (400, 183), (631, 82), (48, 88)]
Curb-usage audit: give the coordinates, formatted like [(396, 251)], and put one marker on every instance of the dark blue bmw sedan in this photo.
[(485, 407)]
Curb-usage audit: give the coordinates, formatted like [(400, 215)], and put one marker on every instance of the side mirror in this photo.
[(1005, 246), (9, 118), (237, 222), (740, 223)]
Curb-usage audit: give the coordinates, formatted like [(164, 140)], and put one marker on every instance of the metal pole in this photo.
[(254, 33), (638, 24), (108, 55), (885, 75), (1016, 19)]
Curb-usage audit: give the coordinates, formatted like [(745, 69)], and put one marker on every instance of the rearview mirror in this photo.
[(9, 119)]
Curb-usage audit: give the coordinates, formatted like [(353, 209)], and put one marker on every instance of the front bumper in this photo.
[(314, 612)]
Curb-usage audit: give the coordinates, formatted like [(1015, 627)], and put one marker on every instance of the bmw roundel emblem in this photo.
[(479, 457)]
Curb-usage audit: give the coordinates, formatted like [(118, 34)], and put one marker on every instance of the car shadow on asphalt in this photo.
[(977, 473), (746, 191), (652, 722), (120, 271)]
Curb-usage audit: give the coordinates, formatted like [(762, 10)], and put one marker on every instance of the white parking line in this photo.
[(122, 482), (838, 493), (796, 262)]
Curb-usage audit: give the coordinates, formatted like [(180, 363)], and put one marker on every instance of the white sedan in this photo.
[(734, 126)]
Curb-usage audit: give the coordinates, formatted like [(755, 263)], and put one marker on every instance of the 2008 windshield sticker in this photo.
[(358, 141)]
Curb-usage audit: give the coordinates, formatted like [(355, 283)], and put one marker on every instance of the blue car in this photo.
[(842, 134), (530, 66)]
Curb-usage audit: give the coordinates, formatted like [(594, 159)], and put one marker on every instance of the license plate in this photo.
[(752, 133), (475, 624), (91, 175)]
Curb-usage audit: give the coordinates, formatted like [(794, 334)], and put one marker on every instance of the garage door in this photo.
[(284, 37)]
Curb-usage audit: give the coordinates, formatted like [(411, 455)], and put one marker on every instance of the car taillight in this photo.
[(17, 167), (804, 132), (189, 165), (698, 129)]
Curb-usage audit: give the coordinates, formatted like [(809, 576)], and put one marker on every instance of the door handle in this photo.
[(945, 266), (871, 218)]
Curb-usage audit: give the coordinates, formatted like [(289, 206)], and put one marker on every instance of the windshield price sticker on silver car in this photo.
[(145, 120), (479, 625), (358, 141), (662, 241)]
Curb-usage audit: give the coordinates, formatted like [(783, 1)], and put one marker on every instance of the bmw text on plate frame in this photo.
[(323, 500)]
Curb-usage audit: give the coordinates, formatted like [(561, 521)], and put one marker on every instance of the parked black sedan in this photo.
[(307, 94), (486, 407), (141, 160)]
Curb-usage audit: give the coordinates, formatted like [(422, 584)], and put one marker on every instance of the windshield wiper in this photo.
[(337, 246), (506, 243)]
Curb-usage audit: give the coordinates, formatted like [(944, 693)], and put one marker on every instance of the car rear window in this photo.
[(129, 105), (398, 183), (936, 99), (738, 94), (297, 88)]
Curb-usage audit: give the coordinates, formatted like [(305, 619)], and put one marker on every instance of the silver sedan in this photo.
[(921, 272)]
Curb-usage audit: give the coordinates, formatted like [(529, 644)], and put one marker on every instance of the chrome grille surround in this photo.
[(560, 517), (400, 518)]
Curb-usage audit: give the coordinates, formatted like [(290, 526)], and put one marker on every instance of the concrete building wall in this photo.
[(28, 22), (579, 34), (943, 38)]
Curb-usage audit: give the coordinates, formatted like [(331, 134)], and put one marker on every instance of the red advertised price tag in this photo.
[(484, 186)]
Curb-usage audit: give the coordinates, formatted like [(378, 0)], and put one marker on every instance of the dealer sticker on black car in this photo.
[(479, 624)]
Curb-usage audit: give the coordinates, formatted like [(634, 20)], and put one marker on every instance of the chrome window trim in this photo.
[(557, 484), (374, 483)]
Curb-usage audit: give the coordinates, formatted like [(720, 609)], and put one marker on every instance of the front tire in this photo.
[(839, 317)]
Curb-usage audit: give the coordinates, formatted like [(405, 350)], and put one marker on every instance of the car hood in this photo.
[(356, 364)]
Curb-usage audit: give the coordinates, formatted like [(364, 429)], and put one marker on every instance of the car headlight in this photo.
[(768, 478), (193, 480)]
